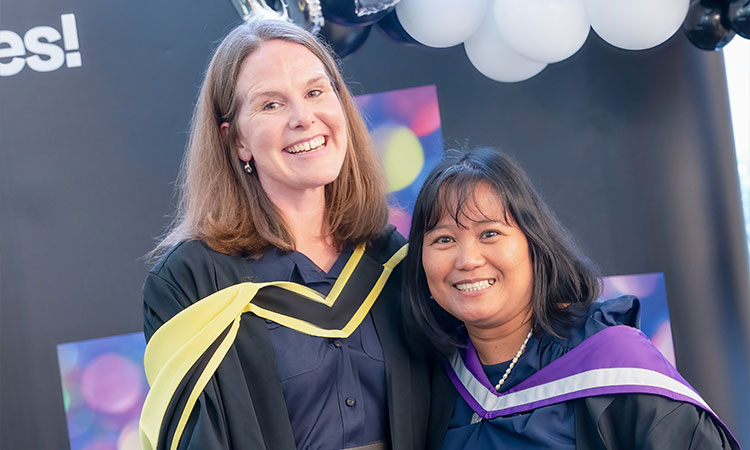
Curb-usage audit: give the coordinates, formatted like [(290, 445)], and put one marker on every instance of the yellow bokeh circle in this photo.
[(402, 155)]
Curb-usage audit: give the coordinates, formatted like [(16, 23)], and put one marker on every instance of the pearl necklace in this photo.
[(513, 362)]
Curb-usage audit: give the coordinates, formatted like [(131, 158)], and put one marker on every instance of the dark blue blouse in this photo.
[(547, 427), (335, 389)]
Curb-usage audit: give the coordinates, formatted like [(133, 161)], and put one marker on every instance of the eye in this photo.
[(315, 93), (489, 234), (271, 106), (443, 240)]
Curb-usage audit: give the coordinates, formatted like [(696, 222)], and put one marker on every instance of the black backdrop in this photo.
[(632, 149)]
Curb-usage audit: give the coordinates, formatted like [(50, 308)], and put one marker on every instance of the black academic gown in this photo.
[(243, 407)]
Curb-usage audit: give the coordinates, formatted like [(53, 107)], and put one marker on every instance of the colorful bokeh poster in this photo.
[(104, 387), (651, 290), (405, 127)]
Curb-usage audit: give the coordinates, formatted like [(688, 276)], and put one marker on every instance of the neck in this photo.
[(498, 345), (304, 215)]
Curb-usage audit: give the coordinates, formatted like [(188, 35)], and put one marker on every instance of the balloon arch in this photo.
[(511, 40)]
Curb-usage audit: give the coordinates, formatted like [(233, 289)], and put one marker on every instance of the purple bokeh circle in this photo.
[(112, 384)]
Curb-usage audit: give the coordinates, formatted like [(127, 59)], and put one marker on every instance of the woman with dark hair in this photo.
[(531, 360), (273, 312)]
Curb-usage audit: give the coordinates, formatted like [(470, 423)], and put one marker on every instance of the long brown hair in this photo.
[(225, 207)]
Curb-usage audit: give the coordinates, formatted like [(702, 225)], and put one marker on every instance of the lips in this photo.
[(475, 285), (307, 146)]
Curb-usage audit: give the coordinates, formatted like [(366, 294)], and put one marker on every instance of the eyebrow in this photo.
[(488, 220), (479, 222), (253, 96), (318, 78), (436, 228)]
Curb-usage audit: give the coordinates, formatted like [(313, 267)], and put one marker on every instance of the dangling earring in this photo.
[(248, 168)]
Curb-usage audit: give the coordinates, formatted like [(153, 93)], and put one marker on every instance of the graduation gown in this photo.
[(606, 387), (242, 404)]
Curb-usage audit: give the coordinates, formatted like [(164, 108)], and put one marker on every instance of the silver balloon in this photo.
[(367, 7), (305, 13), (257, 9)]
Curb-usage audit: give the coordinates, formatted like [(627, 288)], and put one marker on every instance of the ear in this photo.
[(224, 130), (242, 152)]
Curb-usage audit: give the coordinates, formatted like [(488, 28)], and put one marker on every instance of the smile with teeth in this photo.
[(308, 146), (476, 286)]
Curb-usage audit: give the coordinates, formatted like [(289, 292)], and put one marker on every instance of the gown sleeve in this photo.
[(165, 293), (161, 301), (647, 422)]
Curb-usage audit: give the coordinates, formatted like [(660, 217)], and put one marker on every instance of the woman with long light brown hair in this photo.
[(273, 312)]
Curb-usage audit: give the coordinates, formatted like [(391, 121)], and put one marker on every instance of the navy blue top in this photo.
[(335, 389), (547, 427)]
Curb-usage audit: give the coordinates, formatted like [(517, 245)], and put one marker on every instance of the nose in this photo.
[(469, 257), (301, 116)]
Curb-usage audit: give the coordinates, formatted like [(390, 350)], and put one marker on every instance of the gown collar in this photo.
[(616, 360)]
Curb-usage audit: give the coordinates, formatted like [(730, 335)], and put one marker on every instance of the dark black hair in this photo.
[(565, 281)]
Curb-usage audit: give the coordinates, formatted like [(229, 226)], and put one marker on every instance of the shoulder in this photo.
[(183, 260), (385, 244), (185, 274), (625, 310)]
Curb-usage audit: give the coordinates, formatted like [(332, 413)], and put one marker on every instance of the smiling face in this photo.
[(479, 270), (290, 121)]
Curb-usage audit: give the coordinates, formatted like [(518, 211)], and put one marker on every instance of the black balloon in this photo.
[(393, 29), (344, 12), (706, 27), (342, 39), (738, 16)]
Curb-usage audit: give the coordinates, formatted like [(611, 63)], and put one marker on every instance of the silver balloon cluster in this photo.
[(513, 40), (343, 24)]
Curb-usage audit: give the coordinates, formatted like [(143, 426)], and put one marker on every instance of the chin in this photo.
[(473, 318), (326, 175), (324, 179)]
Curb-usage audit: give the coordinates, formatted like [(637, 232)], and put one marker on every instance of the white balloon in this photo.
[(636, 24), (543, 30), (441, 23), (494, 59)]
